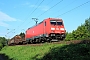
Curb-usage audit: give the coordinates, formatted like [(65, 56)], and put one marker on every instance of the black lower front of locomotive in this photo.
[(56, 37)]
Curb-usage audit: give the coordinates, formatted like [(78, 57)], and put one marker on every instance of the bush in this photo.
[(2, 42), (1, 46)]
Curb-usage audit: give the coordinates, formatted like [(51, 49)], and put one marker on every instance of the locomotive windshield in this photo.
[(55, 22), (59, 23)]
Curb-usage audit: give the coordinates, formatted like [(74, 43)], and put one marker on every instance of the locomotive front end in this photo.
[(57, 30)]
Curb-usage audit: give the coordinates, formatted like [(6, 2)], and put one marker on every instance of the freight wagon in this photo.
[(50, 29), (16, 40)]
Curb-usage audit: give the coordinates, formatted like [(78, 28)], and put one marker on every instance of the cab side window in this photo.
[(45, 23)]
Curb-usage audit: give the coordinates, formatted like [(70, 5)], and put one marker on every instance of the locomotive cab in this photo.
[(57, 30)]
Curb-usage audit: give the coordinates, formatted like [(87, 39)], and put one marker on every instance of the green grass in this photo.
[(28, 52), (48, 52)]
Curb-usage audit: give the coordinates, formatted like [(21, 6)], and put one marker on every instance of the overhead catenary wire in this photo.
[(32, 11), (24, 20), (50, 8), (29, 14), (65, 6), (37, 7), (66, 11), (73, 8)]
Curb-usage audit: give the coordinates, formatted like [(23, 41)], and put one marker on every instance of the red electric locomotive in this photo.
[(50, 29)]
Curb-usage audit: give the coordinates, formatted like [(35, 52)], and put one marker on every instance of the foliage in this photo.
[(81, 33), (69, 52), (22, 35), (3, 42), (69, 36)]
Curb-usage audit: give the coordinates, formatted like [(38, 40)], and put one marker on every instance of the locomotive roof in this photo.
[(53, 18), (47, 19)]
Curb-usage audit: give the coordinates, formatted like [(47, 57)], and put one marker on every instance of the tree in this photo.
[(82, 32), (87, 25), (22, 35), (3, 42), (69, 36)]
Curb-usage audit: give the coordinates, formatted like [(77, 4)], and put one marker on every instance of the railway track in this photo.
[(60, 42)]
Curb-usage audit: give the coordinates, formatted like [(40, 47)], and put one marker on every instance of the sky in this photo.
[(16, 15)]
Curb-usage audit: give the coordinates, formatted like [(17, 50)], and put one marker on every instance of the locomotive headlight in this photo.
[(61, 28), (52, 28)]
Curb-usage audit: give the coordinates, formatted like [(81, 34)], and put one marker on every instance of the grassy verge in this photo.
[(49, 52), (28, 52)]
